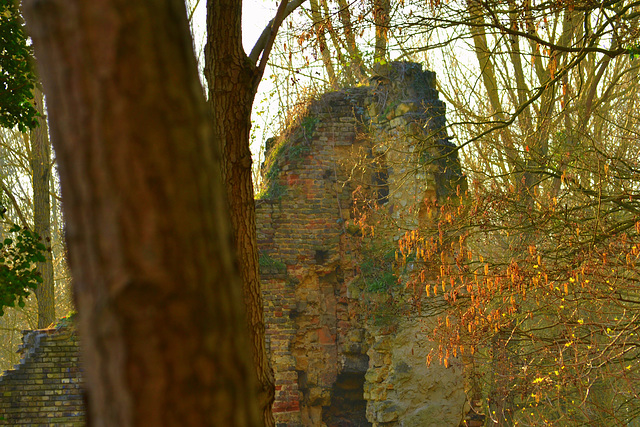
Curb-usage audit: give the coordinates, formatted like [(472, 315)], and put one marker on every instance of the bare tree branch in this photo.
[(265, 41)]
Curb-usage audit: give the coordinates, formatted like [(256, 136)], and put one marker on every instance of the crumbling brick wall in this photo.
[(379, 147), (45, 388)]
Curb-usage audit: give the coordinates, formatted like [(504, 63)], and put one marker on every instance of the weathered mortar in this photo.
[(46, 387), (334, 365)]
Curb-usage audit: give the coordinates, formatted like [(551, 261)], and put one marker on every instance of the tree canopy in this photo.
[(17, 73)]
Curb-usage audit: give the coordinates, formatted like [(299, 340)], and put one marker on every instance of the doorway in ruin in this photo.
[(348, 407)]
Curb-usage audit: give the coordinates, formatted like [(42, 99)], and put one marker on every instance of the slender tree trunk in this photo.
[(381, 20), (355, 56), (156, 282), (40, 162), (232, 80), (490, 81), (347, 77), (319, 28), (503, 349)]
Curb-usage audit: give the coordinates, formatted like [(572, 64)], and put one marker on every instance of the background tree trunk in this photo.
[(321, 40), (157, 286), (40, 162), (232, 82), (381, 20)]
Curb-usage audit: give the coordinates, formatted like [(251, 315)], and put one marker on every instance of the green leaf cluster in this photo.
[(19, 254), (634, 50), (271, 187), (17, 71)]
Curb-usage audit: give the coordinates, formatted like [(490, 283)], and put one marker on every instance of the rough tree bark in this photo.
[(157, 286), (233, 79), (230, 77), (40, 162)]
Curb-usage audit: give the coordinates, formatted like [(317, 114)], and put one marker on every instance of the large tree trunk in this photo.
[(232, 80), (40, 161), (157, 286)]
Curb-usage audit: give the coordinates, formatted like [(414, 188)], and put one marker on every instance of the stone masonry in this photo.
[(346, 346), (46, 387), (342, 354)]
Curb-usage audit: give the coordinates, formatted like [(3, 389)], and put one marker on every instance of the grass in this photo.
[(269, 263), (376, 267)]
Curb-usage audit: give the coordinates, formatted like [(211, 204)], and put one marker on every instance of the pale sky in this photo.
[(256, 14)]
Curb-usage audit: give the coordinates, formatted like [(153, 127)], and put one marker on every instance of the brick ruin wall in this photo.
[(45, 388), (335, 363)]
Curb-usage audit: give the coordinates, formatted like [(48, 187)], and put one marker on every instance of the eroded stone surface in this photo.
[(421, 395), (342, 354)]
